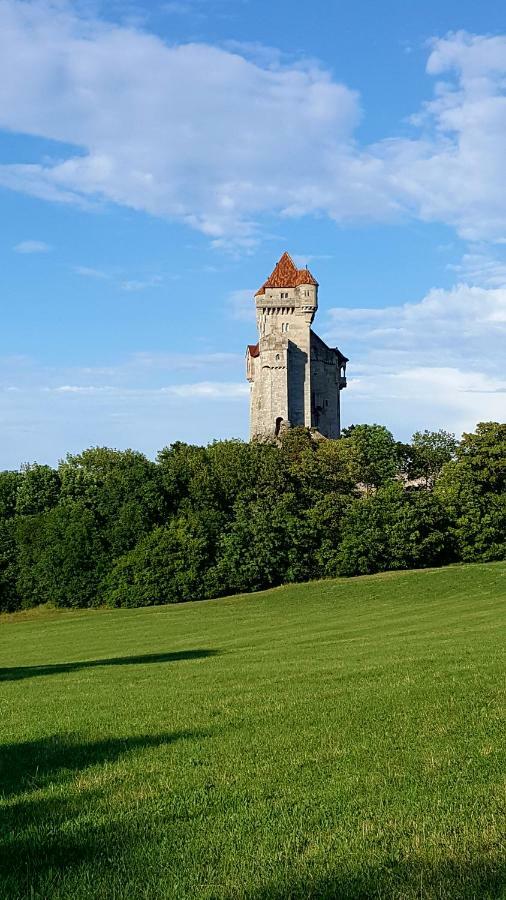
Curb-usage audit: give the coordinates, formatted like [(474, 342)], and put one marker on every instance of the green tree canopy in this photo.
[(427, 454), (373, 453)]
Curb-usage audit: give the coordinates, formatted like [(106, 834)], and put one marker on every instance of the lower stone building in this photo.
[(296, 379)]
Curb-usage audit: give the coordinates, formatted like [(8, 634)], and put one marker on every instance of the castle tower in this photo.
[(295, 378)]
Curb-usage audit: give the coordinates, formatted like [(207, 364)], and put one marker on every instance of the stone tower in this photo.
[(295, 378)]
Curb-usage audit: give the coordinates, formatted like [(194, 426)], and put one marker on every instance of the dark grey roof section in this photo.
[(341, 358)]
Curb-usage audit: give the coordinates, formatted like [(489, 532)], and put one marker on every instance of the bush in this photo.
[(169, 565), (9, 600), (473, 490), (266, 543), (394, 529), (61, 556)]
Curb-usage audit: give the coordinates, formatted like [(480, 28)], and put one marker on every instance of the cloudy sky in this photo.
[(156, 158)]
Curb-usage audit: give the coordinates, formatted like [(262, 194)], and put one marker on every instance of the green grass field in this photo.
[(334, 739)]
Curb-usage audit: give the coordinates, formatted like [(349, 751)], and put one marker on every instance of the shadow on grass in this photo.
[(137, 857), (480, 879), (45, 838), (31, 765), (99, 836), (15, 673)]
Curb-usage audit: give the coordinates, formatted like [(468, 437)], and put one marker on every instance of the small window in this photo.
[(277, 357)]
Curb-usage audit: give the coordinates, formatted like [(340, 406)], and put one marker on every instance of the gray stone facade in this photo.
[(295, 378)]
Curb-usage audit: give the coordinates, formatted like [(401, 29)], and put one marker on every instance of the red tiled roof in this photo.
[(253, 350), (286, 274)]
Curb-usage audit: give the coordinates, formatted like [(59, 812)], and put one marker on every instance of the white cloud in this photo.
[(482, 268), (151, 133), (303, 259), (182, 361), (139, 371), (199, 389), (256, 135), (454, 172), (32, 247), (209, 390), (145, 401), (88, 272), (432, 397), (134, 285), (436, 363), (466, 324)]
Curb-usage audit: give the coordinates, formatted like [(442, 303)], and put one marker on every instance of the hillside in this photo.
[(331, 739)]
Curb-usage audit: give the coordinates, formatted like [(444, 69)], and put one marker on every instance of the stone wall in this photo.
[(294, 376), (325, 389)]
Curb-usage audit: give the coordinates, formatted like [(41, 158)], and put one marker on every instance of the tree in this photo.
[(112, 526), (237, 470), (169, 565), (328, 468), (297, 441), (483, 453), (394, 529), (427, 454), (264, 544), (61, 556), (9, 483), (179, 465), (122, 488), (373, 454), (473, 489), (9, 599), (325, 487), (38, 489)]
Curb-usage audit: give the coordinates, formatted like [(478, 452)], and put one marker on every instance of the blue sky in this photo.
[(155, 161)]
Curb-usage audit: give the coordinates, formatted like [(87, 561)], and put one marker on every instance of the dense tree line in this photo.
[(112, 527)]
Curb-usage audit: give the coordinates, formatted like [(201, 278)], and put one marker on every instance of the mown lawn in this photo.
[(335, 739)]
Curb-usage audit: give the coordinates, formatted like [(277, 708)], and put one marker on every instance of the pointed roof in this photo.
[(286, 274)]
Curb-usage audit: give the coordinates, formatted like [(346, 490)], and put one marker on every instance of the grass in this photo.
[(334, 739)]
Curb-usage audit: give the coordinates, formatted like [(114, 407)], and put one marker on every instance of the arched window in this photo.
[(279, 421)]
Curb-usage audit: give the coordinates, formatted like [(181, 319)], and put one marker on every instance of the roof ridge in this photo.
[(288, 257), (286, 274)]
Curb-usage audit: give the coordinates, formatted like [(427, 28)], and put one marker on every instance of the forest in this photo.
[(114, 528)]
